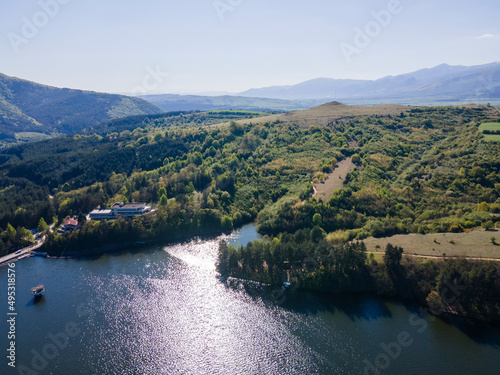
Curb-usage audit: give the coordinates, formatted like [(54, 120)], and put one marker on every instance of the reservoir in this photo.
[(162, 310)]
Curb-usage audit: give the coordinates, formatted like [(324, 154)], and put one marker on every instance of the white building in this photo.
[(100, 214), (121, 210), (129, 209)]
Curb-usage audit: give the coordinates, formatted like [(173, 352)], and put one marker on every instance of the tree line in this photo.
[(308, 261)]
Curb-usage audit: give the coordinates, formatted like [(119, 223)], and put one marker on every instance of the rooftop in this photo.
[(129, 205), (70, 222)]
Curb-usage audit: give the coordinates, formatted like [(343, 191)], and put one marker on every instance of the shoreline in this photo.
[(114, 247), (446, 314), (98, 250)]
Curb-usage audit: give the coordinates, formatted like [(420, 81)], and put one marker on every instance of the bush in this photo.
[(227, 223)]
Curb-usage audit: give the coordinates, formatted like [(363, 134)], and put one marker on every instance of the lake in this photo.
[(162, 310)]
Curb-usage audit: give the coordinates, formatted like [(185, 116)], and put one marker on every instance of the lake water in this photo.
[(163, 311)]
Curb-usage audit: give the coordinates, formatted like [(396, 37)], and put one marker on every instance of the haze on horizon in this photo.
[(199, 46)]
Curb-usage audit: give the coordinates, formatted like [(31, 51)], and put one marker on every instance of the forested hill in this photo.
[(419, 170), (31, 110)]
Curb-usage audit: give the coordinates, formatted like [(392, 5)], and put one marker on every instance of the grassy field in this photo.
[(492, 126), (475, 244), (334, 181), (31, 136), (327, 113)]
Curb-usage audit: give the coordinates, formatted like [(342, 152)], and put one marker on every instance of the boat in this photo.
[(39, 254), (286, 285), (38, 290)]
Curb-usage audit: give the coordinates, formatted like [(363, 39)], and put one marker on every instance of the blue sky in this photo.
[(233, 45)]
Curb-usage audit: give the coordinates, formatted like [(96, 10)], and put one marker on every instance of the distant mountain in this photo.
[(443, 83), (171, 102), (29, 109)]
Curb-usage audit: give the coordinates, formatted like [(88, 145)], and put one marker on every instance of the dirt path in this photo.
[(437, 257), (334, 181)]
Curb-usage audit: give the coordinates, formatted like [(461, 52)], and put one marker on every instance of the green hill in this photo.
[(30, 107)]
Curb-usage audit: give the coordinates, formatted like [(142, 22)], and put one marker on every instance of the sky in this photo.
[(214, 46)]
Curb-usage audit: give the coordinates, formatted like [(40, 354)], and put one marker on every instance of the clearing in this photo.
[(31, 136), (492, 127), (334, 181), (325, 114), (474, 244)]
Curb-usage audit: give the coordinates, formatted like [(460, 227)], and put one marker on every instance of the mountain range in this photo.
[(29, 109), (443, 83)]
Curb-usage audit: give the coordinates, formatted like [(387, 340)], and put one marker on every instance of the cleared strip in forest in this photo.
[(335, 180)]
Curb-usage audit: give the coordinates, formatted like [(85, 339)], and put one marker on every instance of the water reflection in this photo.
[(164, 311)]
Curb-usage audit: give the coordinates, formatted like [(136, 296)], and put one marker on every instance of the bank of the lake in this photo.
[(300, 279), (460, 287), (96, 245), (162, 310)]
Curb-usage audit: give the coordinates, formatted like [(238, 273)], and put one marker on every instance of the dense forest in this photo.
[(422, 170), (308, 261)]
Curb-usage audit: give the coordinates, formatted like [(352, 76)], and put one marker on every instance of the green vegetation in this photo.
[(308, 261), (424, 172), (420, 170), (12, 239), (42, 225), (491, 131), (30, 136), (30, 111), (417, 170), (471, 244)]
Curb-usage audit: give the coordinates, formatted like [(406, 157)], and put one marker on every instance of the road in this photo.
[(23, 253)]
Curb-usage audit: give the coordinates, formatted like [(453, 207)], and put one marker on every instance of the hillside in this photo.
[(417, 170), (443, 83), (28, 107), (326, 114), (171, 102), (410, 157)]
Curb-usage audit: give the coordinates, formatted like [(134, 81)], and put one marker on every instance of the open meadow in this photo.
[(473, 244)]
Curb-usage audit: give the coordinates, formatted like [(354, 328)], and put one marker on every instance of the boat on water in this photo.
[(39, 254), (38, 291)]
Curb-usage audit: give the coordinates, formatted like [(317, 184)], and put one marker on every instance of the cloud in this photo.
[(485, 36)]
